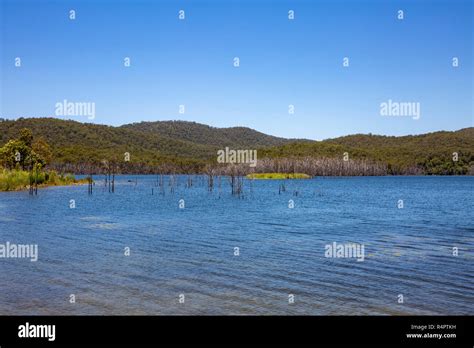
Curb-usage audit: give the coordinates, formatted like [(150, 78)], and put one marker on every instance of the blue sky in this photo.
[(283, 62)]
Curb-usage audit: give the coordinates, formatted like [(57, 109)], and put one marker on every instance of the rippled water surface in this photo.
[(190, 251)]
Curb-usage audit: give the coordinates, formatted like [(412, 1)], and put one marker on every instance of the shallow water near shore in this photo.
[(190, 251)]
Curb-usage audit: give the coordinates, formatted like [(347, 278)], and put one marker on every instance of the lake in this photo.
[(261, 253)]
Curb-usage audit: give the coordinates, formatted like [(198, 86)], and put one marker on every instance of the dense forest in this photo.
[(235, 137), (188, 147)]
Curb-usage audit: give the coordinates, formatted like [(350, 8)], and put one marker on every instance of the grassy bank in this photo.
[(15, 180), (278, 176)]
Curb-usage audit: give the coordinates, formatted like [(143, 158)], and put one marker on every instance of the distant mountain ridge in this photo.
[(206, 135), (192, 143)]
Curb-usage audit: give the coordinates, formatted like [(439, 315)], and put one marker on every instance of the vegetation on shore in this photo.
[(22, 165), (16, 179), (278, 176)]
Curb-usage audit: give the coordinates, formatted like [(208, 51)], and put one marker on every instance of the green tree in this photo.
[(24, 153), (26, 136), (42, 149), (15, 154)]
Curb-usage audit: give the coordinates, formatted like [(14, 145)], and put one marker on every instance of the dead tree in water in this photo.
[(236, 179), (162, 188), (89, 188), (105, 168), (172, 183), (210, 182), (110, 168), (113, 181), (110, 179), (162, 170), (210, 172), (113, 170), (190, 182), (107, 165), (89, 180)]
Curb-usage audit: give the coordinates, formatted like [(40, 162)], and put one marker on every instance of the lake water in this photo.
[(191, 251)]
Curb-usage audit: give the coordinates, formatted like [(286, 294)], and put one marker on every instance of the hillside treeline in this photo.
[(187, 147)]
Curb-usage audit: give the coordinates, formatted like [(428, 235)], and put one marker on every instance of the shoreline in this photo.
[(13, 180), (43, 186), (264, 177)]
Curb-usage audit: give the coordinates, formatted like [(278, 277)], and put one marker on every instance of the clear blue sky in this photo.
[(283, 62)]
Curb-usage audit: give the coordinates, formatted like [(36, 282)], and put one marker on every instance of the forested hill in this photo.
[(194, 144), (236, 137), (72, 141), (430, 153)]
